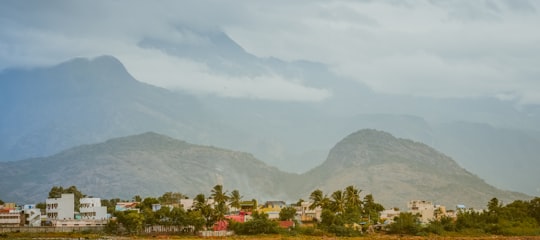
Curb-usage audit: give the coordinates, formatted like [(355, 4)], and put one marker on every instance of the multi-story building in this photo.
[(305, 214), (91, 209), (11, 218), (32, 215), (426, 210), (272, 208), (61, 208)]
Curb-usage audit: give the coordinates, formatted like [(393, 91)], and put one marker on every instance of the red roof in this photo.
[(286, 224)]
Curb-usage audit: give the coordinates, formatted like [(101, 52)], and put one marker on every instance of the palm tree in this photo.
[(200, 205), (218, 195), (235, 199), (199, 202), (318, 199), (220, 199), (338, 201), (352, 197)]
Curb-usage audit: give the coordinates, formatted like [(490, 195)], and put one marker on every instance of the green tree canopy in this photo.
[(287, 213), (235, 199), (57, 191)]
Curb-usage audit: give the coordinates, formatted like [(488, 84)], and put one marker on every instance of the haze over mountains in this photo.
[(47, 110), (393, 170)]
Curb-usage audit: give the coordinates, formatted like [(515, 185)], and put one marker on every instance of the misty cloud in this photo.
[(421, 48)]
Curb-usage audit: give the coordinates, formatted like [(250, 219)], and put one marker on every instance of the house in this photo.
[(32, 215), (91, 209), (61, 208), (11, 217), (305, 214), (126, 206), (426, 210), (387, 216), (272, 208)]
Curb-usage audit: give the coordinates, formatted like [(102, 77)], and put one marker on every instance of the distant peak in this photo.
[(370, 135)]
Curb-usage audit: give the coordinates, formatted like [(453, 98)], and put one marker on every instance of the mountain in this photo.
[(147, 164), (395, 170), (83, 101)]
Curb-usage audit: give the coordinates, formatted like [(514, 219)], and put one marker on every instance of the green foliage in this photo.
[(57, 191), (171, 198), (132, 221), (147, 203), (287, 213), (260, 224), (41, 205), (220, 197), (235, 199), (405, 223), (1, 202)]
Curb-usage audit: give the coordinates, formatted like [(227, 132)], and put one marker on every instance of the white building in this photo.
[(61, 208), (388, 215), (32, 215), (91, 209), (13, 218)]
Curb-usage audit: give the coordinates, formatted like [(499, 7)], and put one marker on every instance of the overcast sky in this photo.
[(421, 48)]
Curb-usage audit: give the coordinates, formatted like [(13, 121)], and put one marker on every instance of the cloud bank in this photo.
[(445, 49)]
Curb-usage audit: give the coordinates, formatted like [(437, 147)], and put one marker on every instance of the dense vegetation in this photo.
[(519, 218), (344, 213)]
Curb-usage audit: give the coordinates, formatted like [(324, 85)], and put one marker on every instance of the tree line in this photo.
[(343, 213)]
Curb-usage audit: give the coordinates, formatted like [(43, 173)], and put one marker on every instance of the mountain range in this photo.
[(84, 101), (393, 170)]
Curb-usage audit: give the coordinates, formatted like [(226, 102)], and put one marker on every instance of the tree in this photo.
[(534, 209), (405, 223), (234, 199), (221, 198), (148, 202), (318, 199), (352, 197), (171, 198), (57, 191), (338, 201), (287, 213), (200, 204), (41, 205), (371, 208), (1, 202), (137, 198), (131, 220)]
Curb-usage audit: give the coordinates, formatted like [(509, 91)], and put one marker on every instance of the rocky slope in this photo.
[(393, 170), (397, 170), (148, 164)]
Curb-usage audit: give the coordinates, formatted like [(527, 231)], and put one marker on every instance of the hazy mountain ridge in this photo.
[(149, 164), (395, 169), (85, 101)]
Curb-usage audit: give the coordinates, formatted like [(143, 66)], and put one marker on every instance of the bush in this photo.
[(406, 223), (260, 224)]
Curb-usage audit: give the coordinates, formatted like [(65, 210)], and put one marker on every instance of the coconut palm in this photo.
[(235, 199), (352, 197), (318, 199), (220, 198), (338, 201)]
